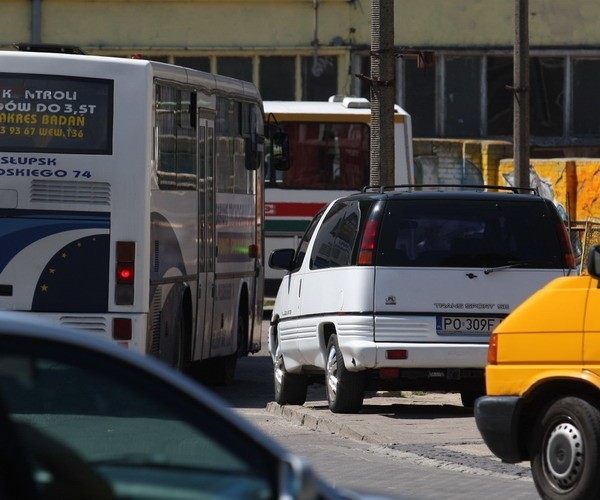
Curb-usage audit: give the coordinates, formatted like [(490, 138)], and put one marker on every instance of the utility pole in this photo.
[(521, 93), (383, 62), (36, 21)]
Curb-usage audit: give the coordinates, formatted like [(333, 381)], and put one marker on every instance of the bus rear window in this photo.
[(50, 114)]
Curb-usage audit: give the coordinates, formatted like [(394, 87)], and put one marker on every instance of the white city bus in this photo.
[(329, 158), (131, 197)]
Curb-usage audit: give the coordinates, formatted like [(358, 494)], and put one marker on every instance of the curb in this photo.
[(296, 415)]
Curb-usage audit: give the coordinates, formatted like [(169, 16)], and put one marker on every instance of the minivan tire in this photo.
[(566, 450), (468, 397), (345, 389), (290, 388)]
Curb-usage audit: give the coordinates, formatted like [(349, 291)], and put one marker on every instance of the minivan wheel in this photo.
[(345, 389), (468, 397), (290, 388), (565, 450)]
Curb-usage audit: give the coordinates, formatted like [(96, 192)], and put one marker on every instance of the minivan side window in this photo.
[(303, 245), (474, 233), (337, 237)]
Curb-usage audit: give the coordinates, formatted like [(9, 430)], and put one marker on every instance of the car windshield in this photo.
[(89, 424), (469, 233)]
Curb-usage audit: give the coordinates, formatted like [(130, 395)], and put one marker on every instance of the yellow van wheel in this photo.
[(565, 451)]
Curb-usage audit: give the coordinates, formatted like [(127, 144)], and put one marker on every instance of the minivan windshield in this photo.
[(469, 233)]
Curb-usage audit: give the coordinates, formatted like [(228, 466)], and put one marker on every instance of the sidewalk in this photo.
[(390, 418)]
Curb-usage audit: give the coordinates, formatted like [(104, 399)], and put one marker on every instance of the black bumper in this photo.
[(497, 419)]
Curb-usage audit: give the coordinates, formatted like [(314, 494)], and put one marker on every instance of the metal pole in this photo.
[(383, 62), (36, 21), (521, 94)]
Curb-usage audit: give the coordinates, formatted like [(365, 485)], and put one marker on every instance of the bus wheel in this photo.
[(177, 360), (172, 343), (345, 390), (222, 369), (565, 452)]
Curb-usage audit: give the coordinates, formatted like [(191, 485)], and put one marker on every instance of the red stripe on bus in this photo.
[(292, 209)]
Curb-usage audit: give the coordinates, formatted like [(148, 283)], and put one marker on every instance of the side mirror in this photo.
[(282, 258), (279, 151), (593, 262)]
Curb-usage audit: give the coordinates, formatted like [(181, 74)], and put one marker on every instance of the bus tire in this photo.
[(222, 369), (178, 358), (566, 450), (172, 349)]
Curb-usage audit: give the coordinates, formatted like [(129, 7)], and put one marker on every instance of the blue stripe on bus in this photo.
[(18, 231)]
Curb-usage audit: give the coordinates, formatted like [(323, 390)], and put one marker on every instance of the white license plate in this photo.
[(465, 325)]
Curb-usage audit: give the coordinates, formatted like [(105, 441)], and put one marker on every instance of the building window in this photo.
[(319, 78), (586, 103), (547, 77), (419, 98), (499, 76), (235, 67), (470, 96), (276, 76), (462, 103)]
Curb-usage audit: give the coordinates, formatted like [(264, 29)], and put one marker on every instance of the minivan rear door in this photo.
[(449, 268)]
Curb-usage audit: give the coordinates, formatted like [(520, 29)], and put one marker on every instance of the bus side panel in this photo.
[(236, 270)]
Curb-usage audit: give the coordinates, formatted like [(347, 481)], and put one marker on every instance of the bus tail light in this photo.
[(492, 357), (121, 329), (125, 270)]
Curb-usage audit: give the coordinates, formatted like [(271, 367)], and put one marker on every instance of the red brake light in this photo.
[(366, 253), (125, 273), (565, 244), (396, 354), (122, 329)]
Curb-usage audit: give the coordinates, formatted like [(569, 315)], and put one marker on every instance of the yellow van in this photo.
[(543, 386)]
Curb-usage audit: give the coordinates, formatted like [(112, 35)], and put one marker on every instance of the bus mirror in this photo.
[(279, 151)]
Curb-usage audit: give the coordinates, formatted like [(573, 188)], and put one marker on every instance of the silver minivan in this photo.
[(399, 289)]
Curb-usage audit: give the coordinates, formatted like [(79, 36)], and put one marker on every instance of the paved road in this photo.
[(427, 443)]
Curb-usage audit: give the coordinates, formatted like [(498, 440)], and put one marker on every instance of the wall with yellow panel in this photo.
[(575, 183)]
